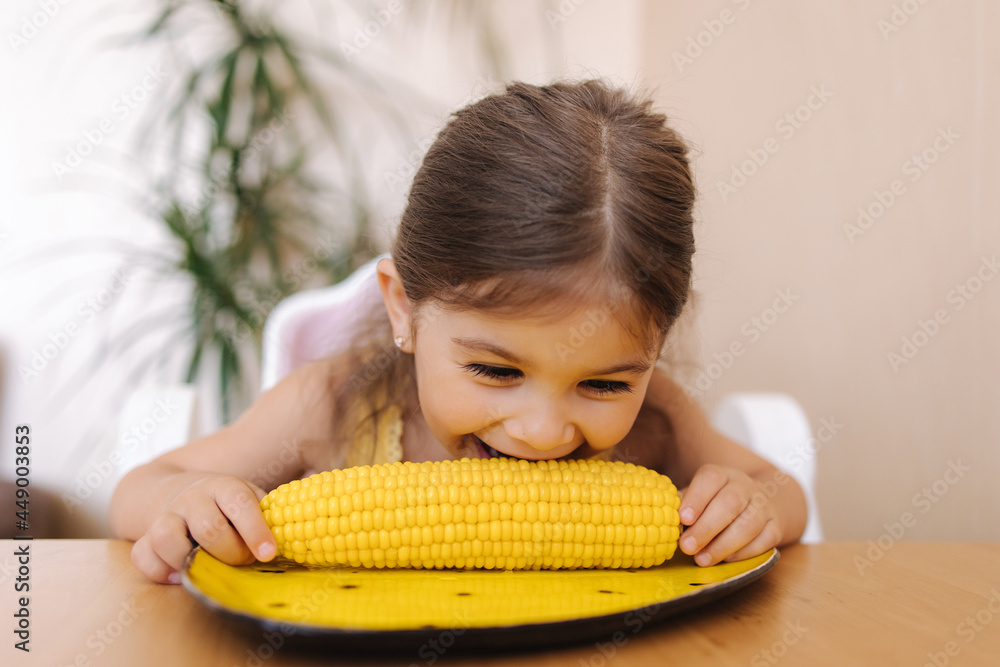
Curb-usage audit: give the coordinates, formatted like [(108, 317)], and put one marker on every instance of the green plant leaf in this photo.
[(220, 109), (238, 235)]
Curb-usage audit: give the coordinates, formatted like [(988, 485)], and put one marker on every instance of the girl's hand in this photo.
[(219, 512), (729, 516)]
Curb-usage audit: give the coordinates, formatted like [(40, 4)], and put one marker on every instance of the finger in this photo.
[(162, 550), (168, 537), (211, 529), (742, 531), (707, 482), (259, 492), (766, 539), (241, 505), (151, 565), (726, 506)]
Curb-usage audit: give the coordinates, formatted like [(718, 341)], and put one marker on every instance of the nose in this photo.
[(541, 426)]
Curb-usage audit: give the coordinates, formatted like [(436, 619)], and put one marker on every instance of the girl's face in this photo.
[(529, 388), (526, 388)]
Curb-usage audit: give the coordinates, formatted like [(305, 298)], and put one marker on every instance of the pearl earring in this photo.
[(399, 340)]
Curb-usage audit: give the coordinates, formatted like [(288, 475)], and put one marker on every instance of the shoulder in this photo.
[(306, 395), (694, 441), (277, 437), (304, 405), (668, 419), (665, 395)]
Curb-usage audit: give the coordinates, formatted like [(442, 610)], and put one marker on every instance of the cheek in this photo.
[(609, 426), (448, 408)]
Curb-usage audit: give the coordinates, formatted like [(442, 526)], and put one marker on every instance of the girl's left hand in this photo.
[(729, 517)]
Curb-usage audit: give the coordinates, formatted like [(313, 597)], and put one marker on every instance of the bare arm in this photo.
[(210, 487), (736, 504)]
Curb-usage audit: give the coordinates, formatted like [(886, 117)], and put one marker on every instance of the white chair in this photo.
[(775, 426), (153, 421), (311, 324)]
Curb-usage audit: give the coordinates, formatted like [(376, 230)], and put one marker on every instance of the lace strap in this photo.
[(379, 442), (389, 444)]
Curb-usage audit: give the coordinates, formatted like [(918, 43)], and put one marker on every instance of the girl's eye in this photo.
[(493, 372), (609, 387), (599, 387)]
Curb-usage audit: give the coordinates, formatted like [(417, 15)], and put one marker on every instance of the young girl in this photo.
[(542, 259)]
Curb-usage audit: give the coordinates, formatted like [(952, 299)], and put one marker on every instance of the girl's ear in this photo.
[(396, 303)]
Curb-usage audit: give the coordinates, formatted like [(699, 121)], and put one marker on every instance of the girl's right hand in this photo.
[(219, 512)]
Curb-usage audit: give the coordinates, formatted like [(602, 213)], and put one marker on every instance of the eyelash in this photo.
[(496, 373)]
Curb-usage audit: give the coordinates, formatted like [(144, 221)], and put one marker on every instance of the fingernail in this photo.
[(703, 558), (266, 551), (688, 544), (687, 515), (174, 578)]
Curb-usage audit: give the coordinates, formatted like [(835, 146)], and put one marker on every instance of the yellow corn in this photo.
[(478, 513)]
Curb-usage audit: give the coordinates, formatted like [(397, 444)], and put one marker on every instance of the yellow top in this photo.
[(379, 442)]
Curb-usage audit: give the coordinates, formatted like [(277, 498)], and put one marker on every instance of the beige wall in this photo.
[(857, 294)]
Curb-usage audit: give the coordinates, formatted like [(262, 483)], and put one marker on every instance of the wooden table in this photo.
[(827, 604)]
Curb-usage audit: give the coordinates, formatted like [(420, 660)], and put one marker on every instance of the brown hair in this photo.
[(533, 199)]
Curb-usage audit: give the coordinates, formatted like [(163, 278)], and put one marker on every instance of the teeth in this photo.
[(490, 451), (496, 453)]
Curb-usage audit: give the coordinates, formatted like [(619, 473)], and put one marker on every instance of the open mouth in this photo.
[(489, 452)]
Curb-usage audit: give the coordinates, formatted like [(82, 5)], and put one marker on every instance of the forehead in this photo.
[(554, 298), (589, 333)]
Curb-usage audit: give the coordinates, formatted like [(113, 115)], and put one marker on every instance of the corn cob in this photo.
[(478, 513)]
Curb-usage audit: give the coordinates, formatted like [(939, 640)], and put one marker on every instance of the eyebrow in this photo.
[(635, 367)]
